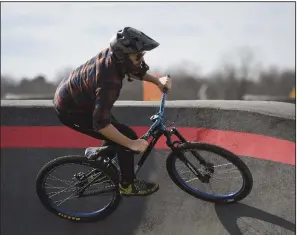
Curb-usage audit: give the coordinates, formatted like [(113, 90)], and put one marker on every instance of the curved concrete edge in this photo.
[(271, 108)]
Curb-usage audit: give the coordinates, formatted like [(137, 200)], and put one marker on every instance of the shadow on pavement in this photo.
[(229, 215)]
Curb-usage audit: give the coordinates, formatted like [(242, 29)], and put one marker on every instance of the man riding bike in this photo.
[(83, 100)]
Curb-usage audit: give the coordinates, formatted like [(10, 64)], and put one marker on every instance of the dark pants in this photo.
[(83, 123)]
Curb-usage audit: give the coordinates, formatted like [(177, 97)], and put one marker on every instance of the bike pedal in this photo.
[(91, 151)]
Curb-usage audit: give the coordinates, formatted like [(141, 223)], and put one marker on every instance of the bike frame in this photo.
[(158, 129)]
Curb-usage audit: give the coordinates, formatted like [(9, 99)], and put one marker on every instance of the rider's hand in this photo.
[(165, 83), (139, 145)]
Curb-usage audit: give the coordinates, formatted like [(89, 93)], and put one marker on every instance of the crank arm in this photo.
[(99, 192)]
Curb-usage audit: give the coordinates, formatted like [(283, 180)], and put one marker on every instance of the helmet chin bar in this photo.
[(141, 70), (129, 67)]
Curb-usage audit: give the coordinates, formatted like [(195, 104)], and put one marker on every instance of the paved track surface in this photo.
[(270, 208)]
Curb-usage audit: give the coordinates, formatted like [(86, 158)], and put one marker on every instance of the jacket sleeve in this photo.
[(105, 98)]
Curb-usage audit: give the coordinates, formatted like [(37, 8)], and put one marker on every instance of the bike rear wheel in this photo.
[(204, 173), (80, 185)]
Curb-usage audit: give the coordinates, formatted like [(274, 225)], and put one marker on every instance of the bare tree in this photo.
[(8, 84)]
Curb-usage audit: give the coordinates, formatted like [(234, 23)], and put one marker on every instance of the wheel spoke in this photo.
[(64, 181), (68, 198), (64, 190), (51, 186), (191, 180)]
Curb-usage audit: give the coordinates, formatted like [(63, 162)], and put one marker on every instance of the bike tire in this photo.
[(111, 171), (235, 160)]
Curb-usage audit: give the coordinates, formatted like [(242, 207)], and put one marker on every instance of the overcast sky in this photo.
[(43, 38)]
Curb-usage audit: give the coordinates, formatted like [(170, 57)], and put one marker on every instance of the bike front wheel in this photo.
[(79, 190), (208, 166)]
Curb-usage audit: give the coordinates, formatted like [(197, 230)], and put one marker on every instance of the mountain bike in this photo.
[(105, 172)]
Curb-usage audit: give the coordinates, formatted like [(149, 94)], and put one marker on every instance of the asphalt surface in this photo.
[(269, 209)]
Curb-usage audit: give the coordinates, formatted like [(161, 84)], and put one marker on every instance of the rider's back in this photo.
[(83, 87)]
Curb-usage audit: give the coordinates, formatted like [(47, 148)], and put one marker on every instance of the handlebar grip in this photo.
[(165, 90)]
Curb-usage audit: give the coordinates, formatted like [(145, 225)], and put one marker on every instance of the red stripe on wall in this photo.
[(245, 144)]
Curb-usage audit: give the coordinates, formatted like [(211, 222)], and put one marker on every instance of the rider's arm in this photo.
[(110, 132), (105, 99), (149, 78)]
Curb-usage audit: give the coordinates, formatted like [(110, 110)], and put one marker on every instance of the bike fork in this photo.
[(191, 167), (183, 140)]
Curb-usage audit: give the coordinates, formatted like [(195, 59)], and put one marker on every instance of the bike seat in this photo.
[(92, 153)]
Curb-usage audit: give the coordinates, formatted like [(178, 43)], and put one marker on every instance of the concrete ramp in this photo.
[(268, 210)]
